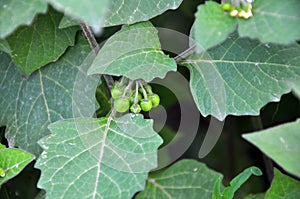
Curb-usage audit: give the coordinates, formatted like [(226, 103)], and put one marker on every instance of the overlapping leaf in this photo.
[(133, 52), (40, 43), (273, 21), (211, 26), (280, 143), (98, 158), (283, 187), (241, 75), (4, 46), (137, 10), (91, 12), (14, 13), (12, 161), (184, 179), (59, 90)]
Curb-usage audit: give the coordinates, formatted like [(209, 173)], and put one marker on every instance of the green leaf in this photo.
[(40, 43), (67, 22), (241, 75), (295, 85), (4, 46), (239, 180), (134, 52), (212, 26), (90, 12), (283, 187), (57, 91), (12, 162), (184, 179), (273, 21), (135, 10), (98, 158), (280, 143), (14, 13)]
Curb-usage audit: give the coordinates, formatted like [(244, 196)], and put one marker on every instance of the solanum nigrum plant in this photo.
[(149, 99)]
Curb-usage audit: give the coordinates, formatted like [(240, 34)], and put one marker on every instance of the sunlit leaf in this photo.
[(241, 75), (134, 52), (12, 162), (98, 158), (212, 26), (283, 187)]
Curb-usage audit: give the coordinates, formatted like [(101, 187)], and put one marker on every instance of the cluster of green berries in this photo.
[(243, 10), (141, 98)]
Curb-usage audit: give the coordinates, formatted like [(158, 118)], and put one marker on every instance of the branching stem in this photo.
[(95, 47)]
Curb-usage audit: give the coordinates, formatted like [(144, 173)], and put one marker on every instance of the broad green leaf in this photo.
[(57, 91), (212, 26), (14, 13), (98, 158), (40, 43), (67, 22), (241, 75), (273, 21), (295, 85), (283, 187), (12, 162), (4, 46), (91, 12), (184, 179), (280, 143), (135, 10), (134, 52), (239, 180)]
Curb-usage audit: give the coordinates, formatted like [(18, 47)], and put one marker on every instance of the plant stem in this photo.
[(95, 47), (136, 97), (127, 88), (143, 89), (185, 53)]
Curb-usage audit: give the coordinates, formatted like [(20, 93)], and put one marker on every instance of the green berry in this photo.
[(116, 92), (121, 105), (135, 108), (155, 99), (146, 105), (227, 7)]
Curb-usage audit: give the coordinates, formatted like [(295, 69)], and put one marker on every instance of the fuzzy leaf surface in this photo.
[(184, 179), (40, 43), (137, 10), (241, 75), (98, 158), (134, 52), (14, 13), (57, 91), (273, 21)]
